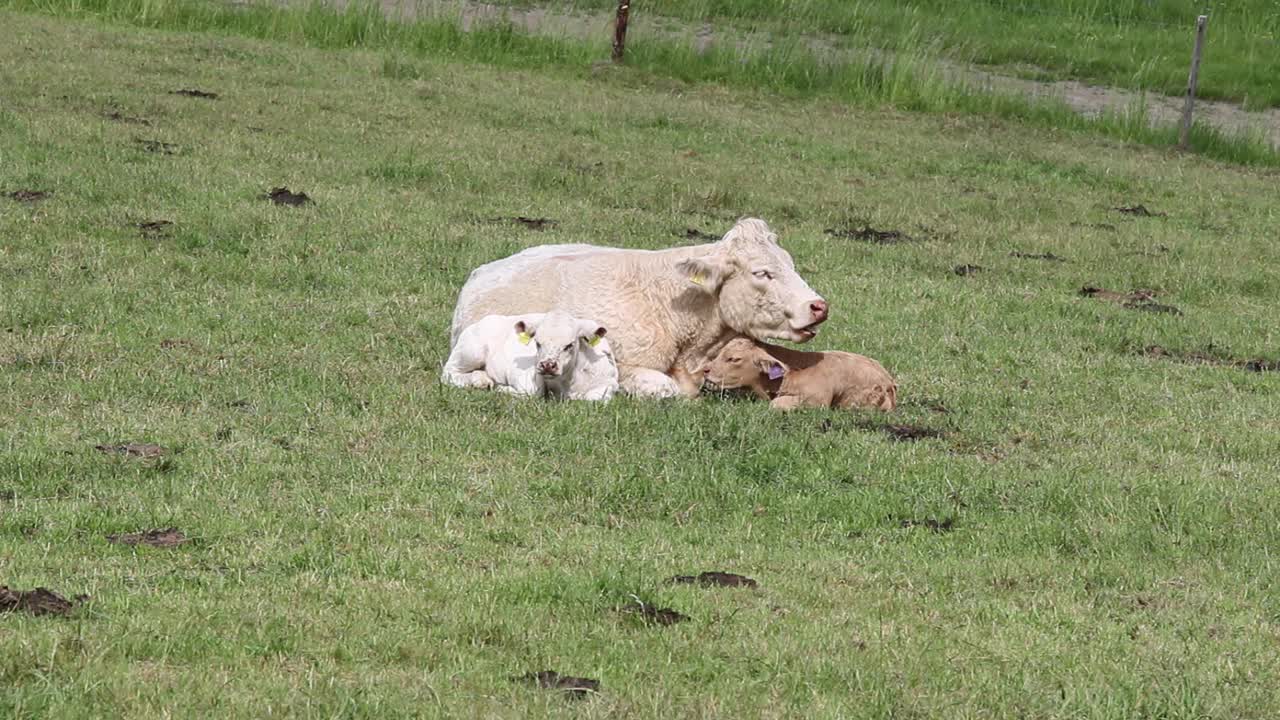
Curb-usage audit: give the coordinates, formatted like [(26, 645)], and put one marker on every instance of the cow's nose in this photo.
[(819, 310), (706, 370), (547, 366)]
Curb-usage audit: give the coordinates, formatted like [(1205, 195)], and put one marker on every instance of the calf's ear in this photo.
[(704, 273), (771, 367), (591, 331), (527, 325), (524, 331)]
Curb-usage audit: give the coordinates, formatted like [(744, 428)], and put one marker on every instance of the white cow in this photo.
[(551, 354), (670, 310)]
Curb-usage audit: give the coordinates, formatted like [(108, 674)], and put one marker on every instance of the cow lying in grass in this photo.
[(669, 311), (791, 378), (552, 354)]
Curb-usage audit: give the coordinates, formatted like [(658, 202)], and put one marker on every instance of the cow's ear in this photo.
[(771, 366), (591, 331), (703, 273), (525, 331)]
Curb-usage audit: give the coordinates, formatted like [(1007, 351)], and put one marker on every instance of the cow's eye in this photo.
[(569, 346), (735, 360), (763, 274)]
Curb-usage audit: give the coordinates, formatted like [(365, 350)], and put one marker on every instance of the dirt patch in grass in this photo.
[(118, 116), (1037, 256), (538, 224), (166, 538), (1138, 211), (1095, 226), (283, 196), (966, 270), (138, 450), (715, 579), (1212, 357), (653, 615), (28, 196), (907, 433), (41, 601), (866, 233), (695, 234), (158, 147), (575, 687), (155, 229), (1154, 307), (171, 343), (933, 524), (1133, 300), (1117, 297), (189, 92)]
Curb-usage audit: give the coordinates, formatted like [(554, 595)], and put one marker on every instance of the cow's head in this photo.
[(741, 363), (760, 293), (558, 338)]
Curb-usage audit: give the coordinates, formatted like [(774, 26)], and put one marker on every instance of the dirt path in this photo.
[(1088, 100)]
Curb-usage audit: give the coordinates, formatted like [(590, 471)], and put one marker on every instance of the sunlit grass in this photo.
[(909, 79), (1092, 536)]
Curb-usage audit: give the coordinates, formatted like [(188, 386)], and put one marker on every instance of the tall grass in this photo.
[(837, 16), (1140, 44), (909, 79)]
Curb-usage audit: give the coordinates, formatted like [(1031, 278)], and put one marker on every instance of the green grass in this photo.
[(368, 543), (911, 82), (1140, 44)]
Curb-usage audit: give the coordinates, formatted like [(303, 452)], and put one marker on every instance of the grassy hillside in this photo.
[(1091, 537), (1141, 44), (911, 80)]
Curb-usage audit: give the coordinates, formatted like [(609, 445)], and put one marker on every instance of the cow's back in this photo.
[(628, 291), (527, 282), (865, 381)]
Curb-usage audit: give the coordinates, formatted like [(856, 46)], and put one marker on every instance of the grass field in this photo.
[(1140, 44), (1093, 537), (912, 80)]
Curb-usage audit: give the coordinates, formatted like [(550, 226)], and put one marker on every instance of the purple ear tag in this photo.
[(775, 372)]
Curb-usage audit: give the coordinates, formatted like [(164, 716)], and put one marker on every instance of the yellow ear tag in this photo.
[(698, 279), (524, 338), (594, 340)]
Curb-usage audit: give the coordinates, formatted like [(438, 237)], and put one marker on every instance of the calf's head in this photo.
[(759, 292), (741, 363), (558, 337)]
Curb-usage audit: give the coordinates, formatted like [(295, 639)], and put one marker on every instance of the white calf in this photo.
[(549, 354)]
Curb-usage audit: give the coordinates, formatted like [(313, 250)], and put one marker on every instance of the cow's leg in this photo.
[(600, 393), (476, 379), (786, 403), (463, 368), (646, 382), (523, 384), (690, 385)]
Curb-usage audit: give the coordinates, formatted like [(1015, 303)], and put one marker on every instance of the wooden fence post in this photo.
[(620, 30), (1184, 130)]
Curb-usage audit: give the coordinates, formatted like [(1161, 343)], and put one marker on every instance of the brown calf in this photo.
[(790, 378)]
